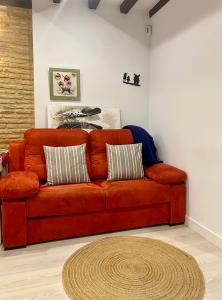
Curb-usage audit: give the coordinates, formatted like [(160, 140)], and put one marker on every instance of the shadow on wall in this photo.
[(133, 24), (183, 15)]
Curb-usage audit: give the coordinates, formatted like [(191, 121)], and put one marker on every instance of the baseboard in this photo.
[(208, 234)]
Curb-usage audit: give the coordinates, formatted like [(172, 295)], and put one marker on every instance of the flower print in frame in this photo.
[(64, 84)]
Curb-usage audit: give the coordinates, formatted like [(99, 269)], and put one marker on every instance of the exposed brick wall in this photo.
[(16, 74)]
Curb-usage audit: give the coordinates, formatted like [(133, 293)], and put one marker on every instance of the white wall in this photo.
[(184, 81), (103, 44), (185, 101)]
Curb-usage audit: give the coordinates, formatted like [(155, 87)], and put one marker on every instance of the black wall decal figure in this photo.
[(124, 77), (127, 79), (136, 79)]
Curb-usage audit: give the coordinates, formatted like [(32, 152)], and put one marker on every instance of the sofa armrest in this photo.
[(19, 184), (166, 174)]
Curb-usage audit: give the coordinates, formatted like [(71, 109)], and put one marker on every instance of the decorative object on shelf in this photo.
[(127, 79), (84, 117), (64, 84)]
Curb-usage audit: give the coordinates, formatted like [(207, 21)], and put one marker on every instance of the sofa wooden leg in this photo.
[(176, 224), (14, 248)]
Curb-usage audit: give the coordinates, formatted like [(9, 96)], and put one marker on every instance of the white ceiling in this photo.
[(140, 5)]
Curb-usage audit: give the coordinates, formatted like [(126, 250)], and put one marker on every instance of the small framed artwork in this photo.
[(64, 84)]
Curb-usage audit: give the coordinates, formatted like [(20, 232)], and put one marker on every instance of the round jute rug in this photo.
[(132, 268)]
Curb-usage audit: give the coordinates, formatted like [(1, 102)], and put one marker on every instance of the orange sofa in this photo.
[(34, 212)]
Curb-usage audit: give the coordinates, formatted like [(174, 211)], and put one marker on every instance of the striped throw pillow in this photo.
[(66, 164), (124, 162)]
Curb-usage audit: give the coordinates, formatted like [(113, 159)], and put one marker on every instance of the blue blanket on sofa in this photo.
[(149, 151)]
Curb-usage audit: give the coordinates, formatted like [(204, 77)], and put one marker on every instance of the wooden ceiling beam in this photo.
[(17, 3), (93, 4), (126, 6), (157, 7)]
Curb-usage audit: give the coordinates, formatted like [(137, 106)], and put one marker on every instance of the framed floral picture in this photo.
[(64, 84)]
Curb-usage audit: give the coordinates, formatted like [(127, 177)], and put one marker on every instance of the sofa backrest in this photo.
[(98, 141), (35, 139), (29, 155)]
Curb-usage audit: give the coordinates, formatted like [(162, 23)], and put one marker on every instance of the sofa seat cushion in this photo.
[(135, 193), (66, 199)]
